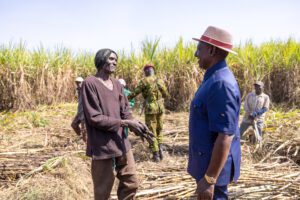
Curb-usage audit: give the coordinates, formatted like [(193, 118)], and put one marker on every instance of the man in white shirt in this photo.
[(256, 105)]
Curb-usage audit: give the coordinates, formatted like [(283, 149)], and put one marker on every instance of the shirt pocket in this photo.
[(260, 103), (198, 161), (200, 151)]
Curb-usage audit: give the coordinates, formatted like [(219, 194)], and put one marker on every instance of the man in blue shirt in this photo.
[(214, 146)]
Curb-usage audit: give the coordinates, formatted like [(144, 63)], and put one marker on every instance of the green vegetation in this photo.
[(29, 78)]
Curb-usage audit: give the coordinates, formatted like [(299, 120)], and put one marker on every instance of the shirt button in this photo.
[(200, 153)]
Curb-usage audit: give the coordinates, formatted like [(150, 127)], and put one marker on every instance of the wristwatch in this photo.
[(210, 180)]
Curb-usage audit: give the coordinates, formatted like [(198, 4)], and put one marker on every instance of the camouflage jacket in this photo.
[(153, 91)]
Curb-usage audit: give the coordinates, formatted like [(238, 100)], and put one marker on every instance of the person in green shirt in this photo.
[(154, 91), (127, 92), (131, 102)]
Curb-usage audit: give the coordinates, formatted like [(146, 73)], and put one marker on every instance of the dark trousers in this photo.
[(244, 127), (105, 171), (220, 193)]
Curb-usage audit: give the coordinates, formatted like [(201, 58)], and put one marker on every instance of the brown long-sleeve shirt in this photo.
[(103, 110)]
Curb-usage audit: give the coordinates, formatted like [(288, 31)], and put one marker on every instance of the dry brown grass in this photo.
[(270, 172), (65, 181)]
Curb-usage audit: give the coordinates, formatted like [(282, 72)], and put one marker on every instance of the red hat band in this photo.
[(215, 42), (217, 37), (148, 66)]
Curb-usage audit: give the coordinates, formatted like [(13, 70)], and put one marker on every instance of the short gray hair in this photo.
[(102, 56)]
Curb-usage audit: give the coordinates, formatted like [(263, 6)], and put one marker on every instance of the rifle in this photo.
[(143, 108), (144, 105)]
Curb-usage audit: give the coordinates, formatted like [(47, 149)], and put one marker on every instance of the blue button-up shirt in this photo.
[(215, 109)]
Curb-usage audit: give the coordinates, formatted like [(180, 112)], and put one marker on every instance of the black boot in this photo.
[(155, 157), (161, 155)]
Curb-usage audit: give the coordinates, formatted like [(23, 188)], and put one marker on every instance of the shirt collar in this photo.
[(213, 69), (259, 95)]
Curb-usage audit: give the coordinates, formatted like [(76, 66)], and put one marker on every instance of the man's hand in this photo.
[(204, 190), (84, 136), (252, 116), (140, 129), (147, 134), (76, 127)]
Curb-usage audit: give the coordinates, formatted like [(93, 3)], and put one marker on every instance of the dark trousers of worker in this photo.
[(220, 193), (155, 123), (105, 171), (83, 131), (245, 125)]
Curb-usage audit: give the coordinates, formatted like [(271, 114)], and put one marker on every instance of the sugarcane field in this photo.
[(149, 100), (41, 157)]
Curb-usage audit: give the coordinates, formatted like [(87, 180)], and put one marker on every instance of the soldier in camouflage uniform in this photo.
[(153, 91)]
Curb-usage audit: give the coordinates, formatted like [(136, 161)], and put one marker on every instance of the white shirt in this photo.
[(254, 102)]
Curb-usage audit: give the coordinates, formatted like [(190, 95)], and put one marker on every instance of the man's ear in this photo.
[(212, 51)]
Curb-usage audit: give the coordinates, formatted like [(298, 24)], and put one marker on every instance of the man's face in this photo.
[(111, 63), (149, 71), (258, 89), (203, 55), (78, 84)]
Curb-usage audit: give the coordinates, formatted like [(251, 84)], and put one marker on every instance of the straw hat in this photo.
[(217, 37), (79, 79)]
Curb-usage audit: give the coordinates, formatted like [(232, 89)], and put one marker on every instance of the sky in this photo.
[(89, 25)]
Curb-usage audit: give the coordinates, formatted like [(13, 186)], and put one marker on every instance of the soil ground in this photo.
[(42, 158)]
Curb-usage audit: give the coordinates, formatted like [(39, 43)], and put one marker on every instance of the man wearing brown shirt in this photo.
[(107, 112)]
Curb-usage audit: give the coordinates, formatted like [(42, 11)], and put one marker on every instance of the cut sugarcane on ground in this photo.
[(41, 158)]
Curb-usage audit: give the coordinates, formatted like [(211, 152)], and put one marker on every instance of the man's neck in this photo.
[(103, 75), (213, 63)]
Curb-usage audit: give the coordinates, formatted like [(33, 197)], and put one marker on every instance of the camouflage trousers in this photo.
[(155, 123)]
